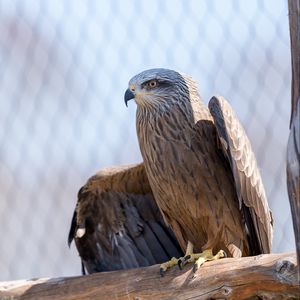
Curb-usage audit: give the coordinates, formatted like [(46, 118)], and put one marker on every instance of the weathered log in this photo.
[(270, 276), (293, 148)]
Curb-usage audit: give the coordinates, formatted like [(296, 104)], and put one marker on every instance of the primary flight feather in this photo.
[(117, 224)]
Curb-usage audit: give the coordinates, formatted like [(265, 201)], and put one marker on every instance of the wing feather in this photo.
[(237, 148), (119, 222)]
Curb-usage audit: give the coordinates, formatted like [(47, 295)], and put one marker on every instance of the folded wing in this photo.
[(250, 191)]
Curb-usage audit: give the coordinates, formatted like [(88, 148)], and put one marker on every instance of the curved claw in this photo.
[(224, 254), (195, 268), (183, 261), (180, 263)]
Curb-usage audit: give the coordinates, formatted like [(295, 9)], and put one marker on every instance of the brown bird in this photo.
[(201, 169), (117, 224)]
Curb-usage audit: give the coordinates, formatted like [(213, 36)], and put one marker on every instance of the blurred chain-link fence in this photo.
[(64, 69)]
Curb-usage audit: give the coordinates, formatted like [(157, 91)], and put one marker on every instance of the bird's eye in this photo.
[(152, 84)]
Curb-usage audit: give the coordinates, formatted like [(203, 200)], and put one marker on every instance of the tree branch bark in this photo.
[(293, 147), (270, 276)]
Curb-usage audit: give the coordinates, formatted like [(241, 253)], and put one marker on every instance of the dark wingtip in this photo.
[(72, 229), (70, 240), (213, 101)]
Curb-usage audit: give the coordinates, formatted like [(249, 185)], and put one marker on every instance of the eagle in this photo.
[(199, 184)]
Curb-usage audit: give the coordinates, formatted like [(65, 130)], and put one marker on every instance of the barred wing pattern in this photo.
[(237, 148)]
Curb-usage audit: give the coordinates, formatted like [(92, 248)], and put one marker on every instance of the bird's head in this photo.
[(156, 88)]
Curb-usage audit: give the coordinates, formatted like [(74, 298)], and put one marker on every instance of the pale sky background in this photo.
[(64, 68)]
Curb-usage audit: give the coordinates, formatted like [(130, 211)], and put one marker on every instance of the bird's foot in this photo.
[(167, 265), (207, 255), (199, 258), (190, 258), (181, 261)]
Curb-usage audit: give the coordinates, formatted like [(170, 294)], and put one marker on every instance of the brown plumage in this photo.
[(200, 166), (117, 224)]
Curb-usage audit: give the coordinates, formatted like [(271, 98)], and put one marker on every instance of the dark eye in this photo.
[(151, 84)]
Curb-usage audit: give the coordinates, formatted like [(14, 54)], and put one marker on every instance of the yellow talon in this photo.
[(168, 264), (198, 258), (207, 256)]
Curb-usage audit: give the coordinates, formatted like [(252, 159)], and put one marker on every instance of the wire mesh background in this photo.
[(64, 69)]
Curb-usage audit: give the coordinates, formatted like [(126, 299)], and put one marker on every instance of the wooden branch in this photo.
[(293, 148), (271, 276)]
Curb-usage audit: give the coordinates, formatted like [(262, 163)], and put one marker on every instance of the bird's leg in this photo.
[(188, 257), (177, 261)]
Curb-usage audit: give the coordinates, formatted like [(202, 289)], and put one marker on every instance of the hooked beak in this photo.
[(128, 96)]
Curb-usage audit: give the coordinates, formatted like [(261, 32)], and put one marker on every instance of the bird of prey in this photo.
[(117, 224), (201, 169)]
